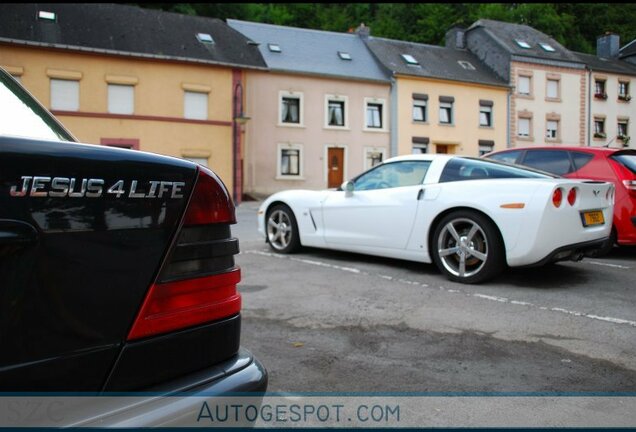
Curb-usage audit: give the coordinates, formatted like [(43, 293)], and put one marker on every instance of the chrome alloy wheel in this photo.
[(279, 229), (462, 247)]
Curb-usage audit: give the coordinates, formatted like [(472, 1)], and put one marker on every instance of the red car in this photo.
[(594, 163)]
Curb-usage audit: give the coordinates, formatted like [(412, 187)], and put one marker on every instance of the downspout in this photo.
[(589, 106), (394, 118), (508, 119)]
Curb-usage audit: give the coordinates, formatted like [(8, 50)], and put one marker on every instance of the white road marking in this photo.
[(456, 291), (609, 265)]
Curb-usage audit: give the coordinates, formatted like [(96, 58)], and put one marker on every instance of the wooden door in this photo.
[(441, 149), (335, 167)]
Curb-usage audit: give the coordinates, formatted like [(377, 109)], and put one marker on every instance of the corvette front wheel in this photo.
[(467, 247), (282, 229)]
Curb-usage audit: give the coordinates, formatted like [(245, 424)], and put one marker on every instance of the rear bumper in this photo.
[(180, 403), (573, 252)]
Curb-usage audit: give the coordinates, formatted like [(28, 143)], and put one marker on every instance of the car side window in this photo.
[(509, 157), (581, 159), (553, 161), (393, 174), (458, 169)]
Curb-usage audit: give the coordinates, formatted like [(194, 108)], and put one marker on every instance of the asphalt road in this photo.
[(324, 321)]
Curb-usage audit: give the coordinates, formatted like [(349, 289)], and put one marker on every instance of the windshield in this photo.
[(21, 115), (461, 168)]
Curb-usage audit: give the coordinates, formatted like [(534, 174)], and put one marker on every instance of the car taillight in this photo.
[(557, 197), (572, 196), (630, 184), (197, 282)]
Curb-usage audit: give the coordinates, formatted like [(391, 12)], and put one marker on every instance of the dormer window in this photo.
[(466, 65), (47, 16), (546, 47), (274, 47), (409, 59), (205, 38), (344, 55), (522, 44)]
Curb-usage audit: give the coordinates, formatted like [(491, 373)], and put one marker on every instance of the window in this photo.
[(508, 156), (524, 85), (581, 159), (623, 91), (622, 129), (373, 157), (336, 111), (419, 145), (274, 47), (195, 105), (552, 89), (127, 143), (419, 148), (391, 175), (546, 47), (344, 55), (47, 16), (599, 128), (523, 44), (409, 59), (291, 108), (485, 147), (553, 161), (523, 130), (446, 112), (552, 130), (599, 89), (419, 110), (485, 113), (375, 114), (205, 38), (64, 95), (466, 65), (199, 160), (121, 99), (460, 168), (290, 157)]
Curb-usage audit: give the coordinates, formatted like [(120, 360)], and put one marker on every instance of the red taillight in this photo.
[(572, 196), (197, 281), (211, 202), (557, 197), (176, 305)]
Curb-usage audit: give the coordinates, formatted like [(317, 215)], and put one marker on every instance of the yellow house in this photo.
[(445, 99), (137, 78)]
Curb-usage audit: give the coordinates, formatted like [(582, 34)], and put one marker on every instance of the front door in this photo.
[(335, 167)]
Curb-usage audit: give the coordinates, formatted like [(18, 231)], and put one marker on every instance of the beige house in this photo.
[(548, 100), (320, 116), (609, 94), (445, 99)]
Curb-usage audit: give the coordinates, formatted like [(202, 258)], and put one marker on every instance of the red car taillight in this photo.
[(557, 197), (572, 196), (197, 283)]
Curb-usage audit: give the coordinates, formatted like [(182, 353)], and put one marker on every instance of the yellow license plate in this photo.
[(591, 218)]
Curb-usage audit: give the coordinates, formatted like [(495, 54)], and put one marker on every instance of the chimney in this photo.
[(363, 31), (456, 38), (607, 46)]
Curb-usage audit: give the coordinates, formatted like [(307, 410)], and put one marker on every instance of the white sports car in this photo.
[(469, 216)]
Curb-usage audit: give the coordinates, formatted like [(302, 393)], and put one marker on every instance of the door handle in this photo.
[(17, 232), (420, 194)]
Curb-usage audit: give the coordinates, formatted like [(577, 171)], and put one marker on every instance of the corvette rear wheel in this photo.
[(467, 247), (282, 229)]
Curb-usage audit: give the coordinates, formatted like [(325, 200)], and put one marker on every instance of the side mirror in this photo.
[(347, 187)]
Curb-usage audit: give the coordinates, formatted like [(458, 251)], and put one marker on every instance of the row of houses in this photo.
[(273, 107)]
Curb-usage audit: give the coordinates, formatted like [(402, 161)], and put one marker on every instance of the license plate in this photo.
[(591, 218)]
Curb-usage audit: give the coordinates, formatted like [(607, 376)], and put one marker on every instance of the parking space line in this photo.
[(454, 291), (609, 265)]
